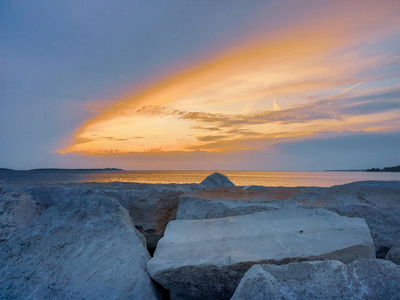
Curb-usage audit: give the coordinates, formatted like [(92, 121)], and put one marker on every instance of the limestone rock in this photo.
[(17, 211), (151, 207), (81, 248), (394, 253), (377, 194), (384, 224), (195, 208), (215, 180), (363, 279), (19, 208), (199, 259), (233, 201)]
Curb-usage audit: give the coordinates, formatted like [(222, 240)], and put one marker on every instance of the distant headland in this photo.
[(386, 169), (65, 170)]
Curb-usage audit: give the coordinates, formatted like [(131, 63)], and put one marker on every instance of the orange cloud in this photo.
[(252, 91)]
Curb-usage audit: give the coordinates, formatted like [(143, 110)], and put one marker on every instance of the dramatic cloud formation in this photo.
[(322, 73), (228, 84)]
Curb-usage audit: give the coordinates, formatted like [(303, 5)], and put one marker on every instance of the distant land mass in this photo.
[(387, 169), (65, 170), (350, 170)]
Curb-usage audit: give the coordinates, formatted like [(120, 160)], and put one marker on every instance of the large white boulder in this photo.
[(378, 194), (150, 206), (331, 279), (234, 201), (81, 248), (384, 224), (198, 259), (191, 208)]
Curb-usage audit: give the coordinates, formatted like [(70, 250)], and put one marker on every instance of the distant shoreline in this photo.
[(60, 169), (386, 169)]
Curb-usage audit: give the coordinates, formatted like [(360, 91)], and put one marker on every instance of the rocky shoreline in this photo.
[(211, 240)]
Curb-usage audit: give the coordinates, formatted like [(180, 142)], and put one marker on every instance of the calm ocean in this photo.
[(240, 178)]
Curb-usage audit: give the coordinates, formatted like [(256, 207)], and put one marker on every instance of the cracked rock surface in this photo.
[(81, 248), (331, 279), (198, 259)]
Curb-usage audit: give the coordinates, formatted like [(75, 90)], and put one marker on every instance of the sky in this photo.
[(201, 85)]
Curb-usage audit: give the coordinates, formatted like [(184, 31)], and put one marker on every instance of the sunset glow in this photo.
[(237, 85), (282, 84)]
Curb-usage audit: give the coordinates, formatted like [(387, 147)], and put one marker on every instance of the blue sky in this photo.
[(199, 84)]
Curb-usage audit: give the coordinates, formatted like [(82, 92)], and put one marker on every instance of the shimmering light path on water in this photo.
[(244, 178), (240, 178)]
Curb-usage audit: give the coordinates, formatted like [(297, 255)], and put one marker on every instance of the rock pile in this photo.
[(195, 252), (330, 279), (213, 240), (151, 207)]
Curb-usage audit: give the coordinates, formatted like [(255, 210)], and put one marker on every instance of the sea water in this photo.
[(240, 178)]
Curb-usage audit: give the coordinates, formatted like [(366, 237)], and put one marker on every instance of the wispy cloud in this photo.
[(350, 88), (320, 75)]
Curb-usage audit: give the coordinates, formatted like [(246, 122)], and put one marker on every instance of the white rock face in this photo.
[(363, 279), (210, 256), (151, 207), (191, 208), (81, 248), (384, 224), (234, 201), (17, 209), (197, 209)]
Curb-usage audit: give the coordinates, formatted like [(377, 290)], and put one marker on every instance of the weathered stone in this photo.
[(80, 248), (151, 207), (215, 180), (384, 224), (376, 201), (198, 259), (17, 211), (363, 279), (394, 253), (377, 194), (19, 208), (194, 208), (233, 201)]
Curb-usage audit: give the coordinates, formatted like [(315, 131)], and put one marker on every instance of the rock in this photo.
[(151, 207), (81, 248), (195, 208), (376, 201), (394, 254), (51, 195), (377, 194), (384, 224), (19, 208), (214, 181), (200, 259), (226, 202), (17, 211), (331, 279)]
